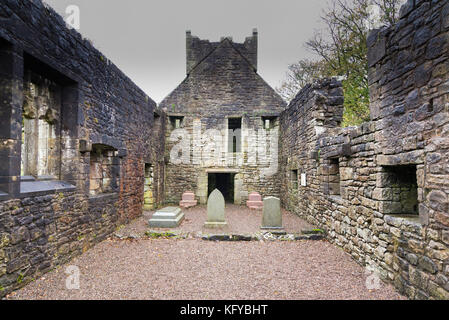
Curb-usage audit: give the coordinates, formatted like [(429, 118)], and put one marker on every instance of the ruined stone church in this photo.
[(83, 149)]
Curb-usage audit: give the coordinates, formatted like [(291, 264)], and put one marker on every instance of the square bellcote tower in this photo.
[(197, 49)]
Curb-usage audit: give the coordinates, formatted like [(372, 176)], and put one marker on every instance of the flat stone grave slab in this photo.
[(170, 217)]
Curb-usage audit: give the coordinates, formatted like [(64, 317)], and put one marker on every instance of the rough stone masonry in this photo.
[(83, 149), (58, 93), (381, 189)]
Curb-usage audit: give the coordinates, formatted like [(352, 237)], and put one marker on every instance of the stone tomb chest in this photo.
[(170, 217)]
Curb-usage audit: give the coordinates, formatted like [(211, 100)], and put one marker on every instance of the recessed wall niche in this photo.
[(104, 175)]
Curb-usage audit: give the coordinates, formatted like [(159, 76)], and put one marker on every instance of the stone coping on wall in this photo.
[(37, 188)]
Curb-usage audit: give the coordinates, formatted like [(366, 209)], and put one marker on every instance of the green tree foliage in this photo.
[(341, 51)]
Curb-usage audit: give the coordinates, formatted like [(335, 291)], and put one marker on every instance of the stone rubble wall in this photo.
[(410, 124), (42, 230)]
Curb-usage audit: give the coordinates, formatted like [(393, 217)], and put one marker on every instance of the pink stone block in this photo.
[(188, 196), (188, 200), (255, 201), (255, 196)]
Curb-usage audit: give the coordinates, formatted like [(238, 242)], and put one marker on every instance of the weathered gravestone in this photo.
[(170, 217), (215, 210), (272, 216)]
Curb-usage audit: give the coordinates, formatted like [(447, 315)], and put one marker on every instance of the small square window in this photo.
[(176, 122), (270, 122), (399, 191)]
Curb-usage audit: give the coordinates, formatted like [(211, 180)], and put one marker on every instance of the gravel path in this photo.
[(240, 220), (195, 269)]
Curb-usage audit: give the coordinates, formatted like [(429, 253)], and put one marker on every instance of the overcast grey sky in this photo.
[(146, 38)]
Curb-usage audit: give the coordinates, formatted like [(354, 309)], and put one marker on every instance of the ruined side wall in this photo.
[(40, 230), (316, 109), (409, 108)]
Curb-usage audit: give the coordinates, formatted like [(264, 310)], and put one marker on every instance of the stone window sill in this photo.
[(36, 188), (405, 220)]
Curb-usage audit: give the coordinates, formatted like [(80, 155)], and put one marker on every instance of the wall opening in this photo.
[(399, 191), (104, 173), (235, 135), (334, 177), (294, 179), (176, 122), (41, 127), (223, 182), (148, 195), (270, 122), (49, 114)]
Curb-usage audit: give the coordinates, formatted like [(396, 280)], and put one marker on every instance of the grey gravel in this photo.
[(196, 269)]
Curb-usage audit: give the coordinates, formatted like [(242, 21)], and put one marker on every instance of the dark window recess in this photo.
[(270, 122), (235, 135), (399, 190), (334, 177), (176, 122)]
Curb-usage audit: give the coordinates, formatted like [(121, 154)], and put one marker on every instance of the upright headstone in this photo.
[(272, 216), (188, 200), (254, 201), (215, 210)]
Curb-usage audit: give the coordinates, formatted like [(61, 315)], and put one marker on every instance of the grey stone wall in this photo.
[(391, 211), (45, 223)]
